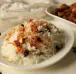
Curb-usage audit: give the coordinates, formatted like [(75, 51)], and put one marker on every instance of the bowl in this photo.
[(69, 40), (52, 8)]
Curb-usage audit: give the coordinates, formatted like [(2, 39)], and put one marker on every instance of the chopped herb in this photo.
[(49, 34)]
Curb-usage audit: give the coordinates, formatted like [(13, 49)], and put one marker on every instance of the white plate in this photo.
[(69, 37)]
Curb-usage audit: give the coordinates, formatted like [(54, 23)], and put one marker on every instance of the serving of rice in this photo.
[(32, 42)]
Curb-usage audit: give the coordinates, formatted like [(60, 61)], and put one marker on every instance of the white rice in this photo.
[(9, 50)]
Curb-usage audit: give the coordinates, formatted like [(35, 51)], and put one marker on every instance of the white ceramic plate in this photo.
[(69, 40)]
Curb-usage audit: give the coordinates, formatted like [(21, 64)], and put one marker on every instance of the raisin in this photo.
[(41, 31), (22, 25), (41, 53), (0, 33), (26, 53), (39, 39), (58, 47), (48, 28), (74, 49)]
